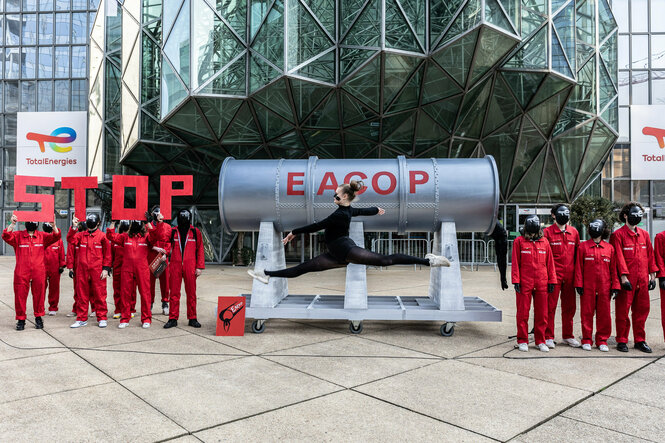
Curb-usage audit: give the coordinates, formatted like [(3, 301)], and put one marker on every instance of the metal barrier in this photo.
[(410, 246)]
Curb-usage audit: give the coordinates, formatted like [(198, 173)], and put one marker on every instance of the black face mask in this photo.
[(31, 226), (135, 227), (596, 228), (48, 228), (562, 215), (92, 221), (184, 219), (123, 226), (532, 224), (635, 216)]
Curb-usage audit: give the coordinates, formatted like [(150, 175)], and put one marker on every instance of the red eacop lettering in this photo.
[(295, 182)]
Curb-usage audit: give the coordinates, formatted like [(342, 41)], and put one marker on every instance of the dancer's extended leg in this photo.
[(318, 263), (362, 256)]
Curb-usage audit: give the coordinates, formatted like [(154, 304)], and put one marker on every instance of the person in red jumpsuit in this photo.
[(161, 237), (135, 270), (70, 258), (30, 271), (659, 252), (637, 268), (93, 265), (564, 240), (596, 282), (55, 264), (533, 275), (116, 260), (187, 263)]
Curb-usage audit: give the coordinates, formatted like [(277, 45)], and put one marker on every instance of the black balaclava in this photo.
[(82, 227), (48, 228), (155, 210), (532, 225), (31, 226), (596, 228), (184, 223), (123, 226), (635, 215), (92, 221), (562, 215), (135, 227)]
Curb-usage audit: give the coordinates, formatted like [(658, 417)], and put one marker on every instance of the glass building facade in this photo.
[(44, 66), (177, 86)]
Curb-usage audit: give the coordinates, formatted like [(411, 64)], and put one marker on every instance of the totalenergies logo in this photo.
[(63, 134), (655, 132)]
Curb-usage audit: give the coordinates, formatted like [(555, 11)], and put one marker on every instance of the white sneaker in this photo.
[(572, 342), (145, 325), (116, 316), (604, 348), (92, 314), (123, 325), (102, 323), (586, 347), (52, 313), (550, 343), (78, 324), (71, 314), (259, 275), (543, 348), (436, 261), (523, 347)]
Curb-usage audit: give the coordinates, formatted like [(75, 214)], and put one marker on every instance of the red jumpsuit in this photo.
[(71, 265), (596, 274), (533, 269), (564, 249), (55, 259), (635, 259), (659, 252), (183, 266), (135, 273), (30, 270), (161, 235), (92, 256)]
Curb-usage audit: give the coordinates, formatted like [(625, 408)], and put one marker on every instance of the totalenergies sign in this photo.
[(647, 142), (52, 144)]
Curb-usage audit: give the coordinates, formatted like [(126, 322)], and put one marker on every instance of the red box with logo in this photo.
[(230, 316)]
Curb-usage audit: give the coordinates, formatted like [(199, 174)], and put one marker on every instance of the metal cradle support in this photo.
[(445, 283), (355, 293), (269, 255)]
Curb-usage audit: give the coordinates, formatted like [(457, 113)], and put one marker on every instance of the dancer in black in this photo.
[(341, 249)]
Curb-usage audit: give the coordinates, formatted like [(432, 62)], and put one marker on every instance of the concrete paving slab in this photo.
[(351, 361), (20, 344), (341, 416), (564, 430), (221, 392), (46, 374), (143, 358), (500, 406), (100, 413), (628, 417), (646, 387)]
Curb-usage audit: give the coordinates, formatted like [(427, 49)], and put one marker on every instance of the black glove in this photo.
[(614, 293), (661, 283), (71, 274), (550, 288), (652, 285), (518, 288), (148, 217), (580, 291), (504, 284), (626, 286), (61, 270)]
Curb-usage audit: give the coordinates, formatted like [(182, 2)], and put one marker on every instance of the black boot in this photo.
[(194, 323), (20, 325), (171, 323), (643, 346), (39, 323), (622, 347)]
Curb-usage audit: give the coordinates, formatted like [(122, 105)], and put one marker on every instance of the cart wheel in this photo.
[(258, 326), (447, 329), (355, 329)]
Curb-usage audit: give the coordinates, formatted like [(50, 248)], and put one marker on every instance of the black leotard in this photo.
[(336, 227)]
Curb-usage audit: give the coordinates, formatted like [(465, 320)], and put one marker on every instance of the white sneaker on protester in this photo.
[(586, 347), (78, 324), (145, 325), (259, 275), (543, 348), (123, 325), (436, 261), (52, 313), (92, 314), (116, 316), (550, 343), (102, 323), (71, 314), (572, 342), (523, 347), (604, 348)]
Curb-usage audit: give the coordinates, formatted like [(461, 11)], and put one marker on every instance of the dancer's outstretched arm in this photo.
[(355, 212)]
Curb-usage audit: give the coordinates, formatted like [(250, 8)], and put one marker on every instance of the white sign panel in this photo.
[(51, 144), (647, 142)]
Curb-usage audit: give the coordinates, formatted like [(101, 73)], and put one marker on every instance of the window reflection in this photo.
[(46, 5), (45, 95), (29, 31), (28, 96), (11, 63), (62, 28), (46, 62), (79, 64), (61, 62), (13, 29), (62, 96), (45, 29), (28, 61)]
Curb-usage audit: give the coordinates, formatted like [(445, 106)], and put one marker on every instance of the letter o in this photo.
[(375, 183)]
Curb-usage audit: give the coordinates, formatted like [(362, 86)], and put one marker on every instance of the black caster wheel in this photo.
[(447, 329), (355, 330), (256, 328)]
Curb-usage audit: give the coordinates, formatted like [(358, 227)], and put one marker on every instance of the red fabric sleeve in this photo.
[(579, 277), (659, 251), (200, 256), (515, 265), (650, 255), (51, 238), (61, 254), (615, 284), (551, 267), (107, 261), (9, 237), (617, 244)]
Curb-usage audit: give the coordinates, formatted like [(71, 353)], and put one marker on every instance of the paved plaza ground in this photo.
[(314, 380)]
